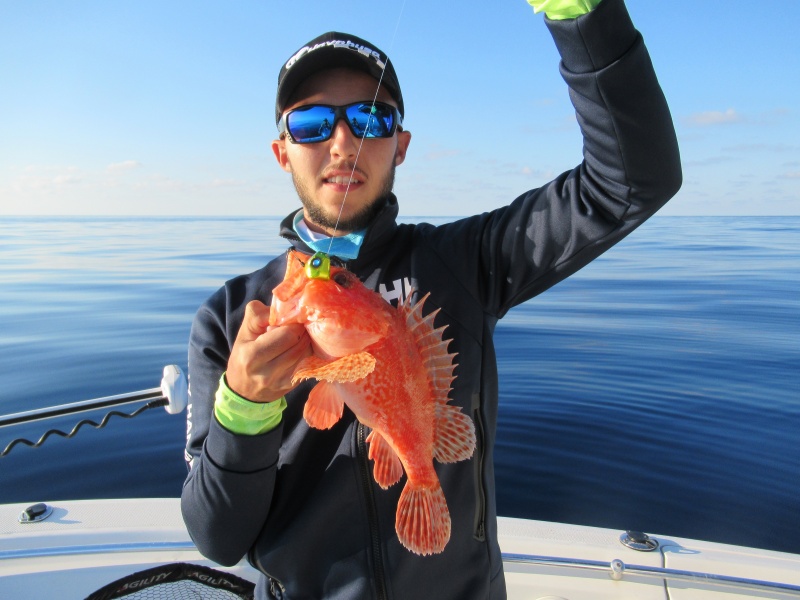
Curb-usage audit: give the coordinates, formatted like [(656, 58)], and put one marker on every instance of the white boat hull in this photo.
[(84, 545)]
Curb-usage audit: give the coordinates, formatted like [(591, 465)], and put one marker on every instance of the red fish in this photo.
[(392, 369)]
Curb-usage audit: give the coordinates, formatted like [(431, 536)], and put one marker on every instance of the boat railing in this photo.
[(172, 395), (617, 570)]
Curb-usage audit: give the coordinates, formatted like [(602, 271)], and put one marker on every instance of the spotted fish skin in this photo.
[(391, 367)]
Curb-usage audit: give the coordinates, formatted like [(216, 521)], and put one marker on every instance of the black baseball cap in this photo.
[(331, 50)]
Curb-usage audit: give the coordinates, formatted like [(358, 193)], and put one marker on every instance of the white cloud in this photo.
[(543, 174), (438, 153), (713, 117), (229, 183), (125, 165), (778, 147), (41, 177), (708, 161), (66, 178)]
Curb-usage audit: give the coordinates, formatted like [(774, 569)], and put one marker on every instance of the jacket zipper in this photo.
[(372, 515), (480, 492)]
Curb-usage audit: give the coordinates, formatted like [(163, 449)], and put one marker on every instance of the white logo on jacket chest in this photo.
[(400, 290)]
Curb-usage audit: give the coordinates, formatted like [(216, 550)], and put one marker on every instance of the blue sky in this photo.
[(166, 107)]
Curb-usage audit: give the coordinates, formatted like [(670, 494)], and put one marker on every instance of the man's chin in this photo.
[(333, 222)]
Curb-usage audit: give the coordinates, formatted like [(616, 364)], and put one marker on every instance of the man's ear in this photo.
[(279, 150), (403, 140)]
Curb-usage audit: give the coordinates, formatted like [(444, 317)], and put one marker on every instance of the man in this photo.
[(301, 503)]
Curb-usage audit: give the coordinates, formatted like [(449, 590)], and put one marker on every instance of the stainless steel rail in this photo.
[(617, 569), (106, 548), (76, 407)]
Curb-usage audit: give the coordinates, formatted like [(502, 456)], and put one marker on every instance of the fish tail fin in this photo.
[(423, 520)]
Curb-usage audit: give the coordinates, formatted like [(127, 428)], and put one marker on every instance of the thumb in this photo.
[(255, 322)]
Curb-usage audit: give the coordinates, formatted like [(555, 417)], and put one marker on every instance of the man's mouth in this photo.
[(342, 180), (343, 174)]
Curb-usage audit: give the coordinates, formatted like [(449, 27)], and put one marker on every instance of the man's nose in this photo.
[(343, 142)]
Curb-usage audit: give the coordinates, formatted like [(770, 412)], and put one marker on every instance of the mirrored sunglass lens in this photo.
[(372, 121), (311, 124)]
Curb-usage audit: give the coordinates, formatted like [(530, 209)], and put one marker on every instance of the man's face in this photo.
[(321, 171)]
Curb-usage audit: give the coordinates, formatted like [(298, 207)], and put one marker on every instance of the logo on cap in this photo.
[(346, 45)]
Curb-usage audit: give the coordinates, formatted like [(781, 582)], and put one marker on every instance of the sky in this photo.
[(162, 107)]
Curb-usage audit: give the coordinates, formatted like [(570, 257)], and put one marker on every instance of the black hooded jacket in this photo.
[(301, 503)]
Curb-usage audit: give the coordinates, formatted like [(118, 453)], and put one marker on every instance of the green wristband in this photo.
[(239, 415), (558, 10)]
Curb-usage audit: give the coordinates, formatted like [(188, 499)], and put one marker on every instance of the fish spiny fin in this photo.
[(432, 347), (387, 469), (324, 406), (347, 368), (455, 432), (423, 520)]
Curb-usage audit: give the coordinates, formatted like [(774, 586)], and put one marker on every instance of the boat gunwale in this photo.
[(616, 568), (103, 548)]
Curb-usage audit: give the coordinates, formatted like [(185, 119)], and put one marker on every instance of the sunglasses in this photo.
[(315, 122)]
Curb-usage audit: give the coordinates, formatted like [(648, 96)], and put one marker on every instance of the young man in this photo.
[(302, 503)]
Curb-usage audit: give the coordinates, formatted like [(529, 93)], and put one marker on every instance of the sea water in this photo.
[(656, 389)]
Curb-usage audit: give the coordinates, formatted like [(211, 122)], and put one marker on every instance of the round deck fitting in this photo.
[(35, 513), (639, 541)]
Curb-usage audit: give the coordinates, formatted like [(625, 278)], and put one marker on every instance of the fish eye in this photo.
[(341, 279)]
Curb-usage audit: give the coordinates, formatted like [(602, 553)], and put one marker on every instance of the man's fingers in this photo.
[(263, 358), (290, 340), (255, 322)]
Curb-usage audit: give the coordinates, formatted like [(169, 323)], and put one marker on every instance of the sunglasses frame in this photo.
[(340, 113)]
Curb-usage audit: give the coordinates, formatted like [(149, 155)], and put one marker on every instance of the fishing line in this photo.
[(364, 135)]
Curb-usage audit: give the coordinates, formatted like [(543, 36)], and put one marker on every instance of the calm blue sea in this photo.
[(657, 389)]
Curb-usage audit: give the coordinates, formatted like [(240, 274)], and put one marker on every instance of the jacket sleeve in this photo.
[(630, 168), (226, 496)]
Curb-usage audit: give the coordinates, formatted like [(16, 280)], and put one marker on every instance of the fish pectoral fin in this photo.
[(387, 469), (341, 370), (423, 520), (324, 406), (454, 436)]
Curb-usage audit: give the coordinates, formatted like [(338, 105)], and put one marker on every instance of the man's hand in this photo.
[(263, 358)]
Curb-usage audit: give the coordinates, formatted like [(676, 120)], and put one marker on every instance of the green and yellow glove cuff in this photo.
[(558, 10), (239, 415)]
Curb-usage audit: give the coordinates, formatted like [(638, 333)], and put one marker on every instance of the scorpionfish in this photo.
[(391, 367)]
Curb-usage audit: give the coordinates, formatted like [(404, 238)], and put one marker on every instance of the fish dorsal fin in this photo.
[(455, 431)]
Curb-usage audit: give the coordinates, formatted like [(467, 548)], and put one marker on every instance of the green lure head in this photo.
[(319, 266)]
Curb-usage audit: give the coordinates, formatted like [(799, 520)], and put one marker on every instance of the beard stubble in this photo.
[(356, 222)]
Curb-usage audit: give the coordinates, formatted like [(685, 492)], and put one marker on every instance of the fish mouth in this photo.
[(286, 313)]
